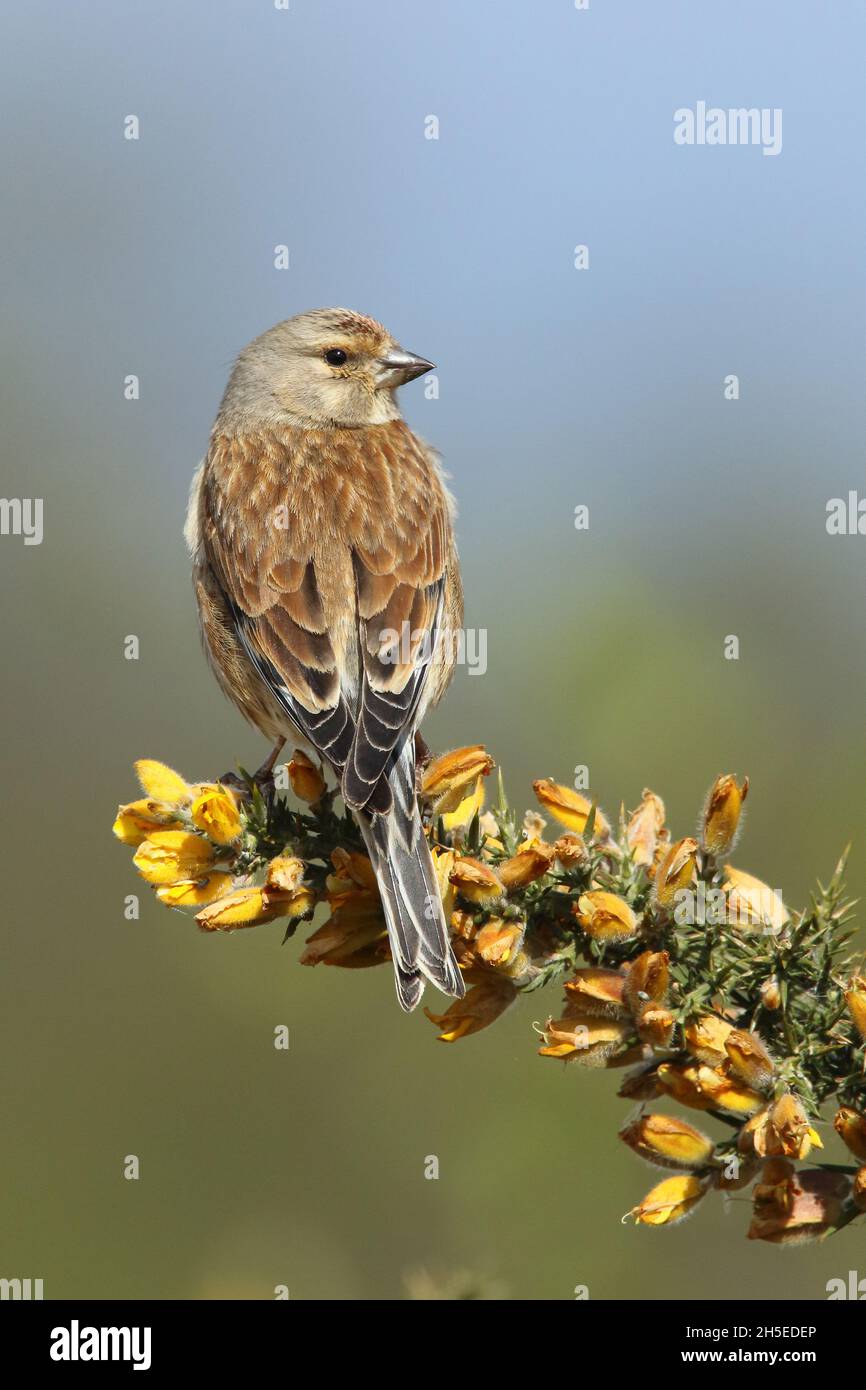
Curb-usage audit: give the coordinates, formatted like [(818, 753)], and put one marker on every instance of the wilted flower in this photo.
[(286, 872), (584, 1037), (670, 1200), (751, 903), (498, 942), (780, 1130), (645, 826), (353, 936), (771, 994), (570, 850), (858, 1189), (646, 980), (569, 807), (668, 1142), (480, 1007), (597, 991), (525, 867), (475, 881), (705, 1038), (606, 917), (792, 1207), (704, 1088), (721, 817), (675, 872)]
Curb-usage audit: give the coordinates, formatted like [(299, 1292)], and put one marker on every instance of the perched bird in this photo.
[(327, 581)]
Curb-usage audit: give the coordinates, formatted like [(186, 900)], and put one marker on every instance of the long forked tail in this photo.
[(418, 933)]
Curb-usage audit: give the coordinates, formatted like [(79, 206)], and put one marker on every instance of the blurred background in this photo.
[(558, 387)]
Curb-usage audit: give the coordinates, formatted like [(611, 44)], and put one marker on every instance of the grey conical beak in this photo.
[(397, 367)]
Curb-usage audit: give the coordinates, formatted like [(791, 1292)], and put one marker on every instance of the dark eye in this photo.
[(335, 357)]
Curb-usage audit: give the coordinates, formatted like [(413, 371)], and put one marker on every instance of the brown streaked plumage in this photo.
[(321, 531)]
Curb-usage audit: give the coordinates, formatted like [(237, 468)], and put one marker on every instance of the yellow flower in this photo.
[(703, 1088), (705, 1038), (668, 1142), (480, 1007), (193, 892), (161, 783), (285, 873), (644, 828), (249, 907), (139, 819), (215, 813), (584, 1037), (497, 942), (749, 1059), (722, 814), (751, 903), (452, 778), (305, 779), (780, 1130), (526, 866), (605, 917), (168, 856), (474, 881), (569, 807), (670, 1201), (855, 999), (467, 808), (675, 872), (597, 991), (851, 1128)]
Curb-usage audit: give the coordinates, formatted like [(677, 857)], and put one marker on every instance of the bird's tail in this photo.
[(400, 856)]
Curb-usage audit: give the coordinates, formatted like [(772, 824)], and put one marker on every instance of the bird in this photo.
[(328, 587)]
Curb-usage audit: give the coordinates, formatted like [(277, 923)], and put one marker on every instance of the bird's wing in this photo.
[(400, 586), (268, 578)]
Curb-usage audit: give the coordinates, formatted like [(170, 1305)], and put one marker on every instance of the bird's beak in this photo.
[(397, 367)]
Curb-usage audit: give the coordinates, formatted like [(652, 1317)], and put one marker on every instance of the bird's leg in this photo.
[(264, 777), (422, 757)]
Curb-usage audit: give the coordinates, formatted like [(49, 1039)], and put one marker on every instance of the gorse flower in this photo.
[(687, 971)]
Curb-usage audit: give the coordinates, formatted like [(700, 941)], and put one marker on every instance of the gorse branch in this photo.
[(693, 975)]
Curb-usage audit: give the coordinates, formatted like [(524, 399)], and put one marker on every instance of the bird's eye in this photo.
[(335, 357)]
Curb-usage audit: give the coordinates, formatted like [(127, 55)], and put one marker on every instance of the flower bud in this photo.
[(606, 917), (749, 1059), (771, 994), (655, 1026), (675, 872), (497, 942), (668, 1141), (647, 979), (161, 783), (722, 814), (305, 778), (286, 872), (670, 1200)]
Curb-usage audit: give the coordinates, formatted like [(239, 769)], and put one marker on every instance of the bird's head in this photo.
[(327, 367)]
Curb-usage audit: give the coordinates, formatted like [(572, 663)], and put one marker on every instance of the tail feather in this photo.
[(404, 870)]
